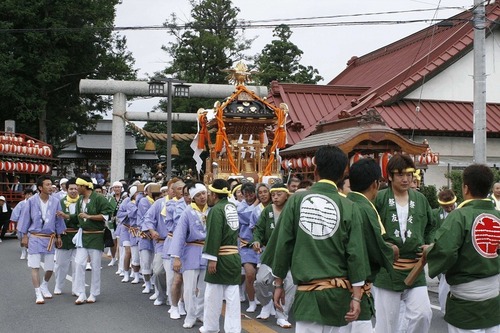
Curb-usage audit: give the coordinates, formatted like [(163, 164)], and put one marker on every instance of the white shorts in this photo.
[(126, 243), (34, 261)]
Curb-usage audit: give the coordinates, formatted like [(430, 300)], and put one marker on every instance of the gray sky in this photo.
[(326, 48)]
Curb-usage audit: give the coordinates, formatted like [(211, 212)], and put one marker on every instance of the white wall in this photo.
[(455, 152), (456, 82)]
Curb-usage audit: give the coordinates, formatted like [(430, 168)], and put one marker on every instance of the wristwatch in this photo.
[(277, 285)]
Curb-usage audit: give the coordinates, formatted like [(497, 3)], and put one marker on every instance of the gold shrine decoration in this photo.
[(221, 137)]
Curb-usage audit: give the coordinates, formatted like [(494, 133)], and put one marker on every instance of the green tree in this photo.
[(203, 47), (456, 182), (280, 61), (46, 48), (206, 45)]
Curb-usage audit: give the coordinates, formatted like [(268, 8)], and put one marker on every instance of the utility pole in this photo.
[(479, 134)]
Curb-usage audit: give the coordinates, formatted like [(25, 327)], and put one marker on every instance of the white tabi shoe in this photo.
[(91, 299), (252, 306), (136, 279), (39, 296), (283, 323), (126, 277), (45, 291), (174, 313), (153, 297), (147, 288), (119, 271), (57, 291), (158, 302), (112, 262), (82, 298), (265, 313), (188, 324)]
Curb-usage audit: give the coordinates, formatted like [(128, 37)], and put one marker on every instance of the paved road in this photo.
[(120, 308)]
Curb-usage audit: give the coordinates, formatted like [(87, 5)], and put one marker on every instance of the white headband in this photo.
[(196, 189)]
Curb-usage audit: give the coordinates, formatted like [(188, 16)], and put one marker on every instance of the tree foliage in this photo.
[(456, 181), (280, 61), (206, 45), (203, 47), (46, 48)]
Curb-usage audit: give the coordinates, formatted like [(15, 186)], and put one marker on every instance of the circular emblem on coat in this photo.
[(232, 216), (319, 216), (486, 235)]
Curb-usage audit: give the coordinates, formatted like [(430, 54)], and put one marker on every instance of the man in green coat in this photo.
[(264, 228), (364, 176), (466, 250), (447, 201), (224, 262), (65, 255), (319, 238), (407, 219), (93, 211)]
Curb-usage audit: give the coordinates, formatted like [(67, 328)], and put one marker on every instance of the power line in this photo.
[(242, 25)]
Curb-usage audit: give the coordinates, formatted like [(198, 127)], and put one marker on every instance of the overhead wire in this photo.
[(264, 24)]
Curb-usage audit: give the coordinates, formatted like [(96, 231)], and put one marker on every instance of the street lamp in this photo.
[(175, 88)]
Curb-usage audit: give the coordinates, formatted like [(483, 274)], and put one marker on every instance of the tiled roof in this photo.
[(310, 104), (347, 138), (437, 116), (395, 69), (382, 78)]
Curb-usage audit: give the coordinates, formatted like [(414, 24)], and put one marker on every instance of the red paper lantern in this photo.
[(30, 143), (46, 151), (299, 163), (31, 168), (9, 166), (284, 164)]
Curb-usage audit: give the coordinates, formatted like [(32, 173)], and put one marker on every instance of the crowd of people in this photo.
[(334, 253)]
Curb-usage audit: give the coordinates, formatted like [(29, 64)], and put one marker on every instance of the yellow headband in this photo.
[(282, 189), (236, 188), (83, 182), (446, 203), (417, 175), (216, 190), (409, 170)]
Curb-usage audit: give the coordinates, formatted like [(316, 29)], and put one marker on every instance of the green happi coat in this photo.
[(223, 230), (97, 204), (438, 214), (420, 228), (380, 253), (265, 226), (465, 258), (71, 223), (319, 236)]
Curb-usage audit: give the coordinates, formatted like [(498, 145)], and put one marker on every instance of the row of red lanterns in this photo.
[(428, 158), (24, 167), (45, 151), (297, 163), (12, 138)]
